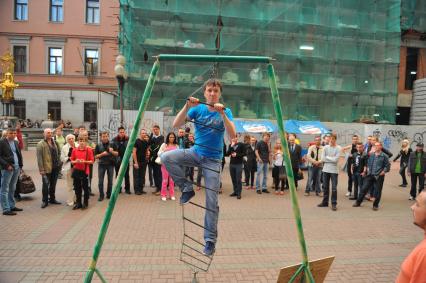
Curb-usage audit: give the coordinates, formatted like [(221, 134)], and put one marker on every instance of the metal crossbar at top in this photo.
[(214, 58), (305, 268)]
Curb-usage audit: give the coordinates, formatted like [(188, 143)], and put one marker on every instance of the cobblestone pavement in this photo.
[(257, 237)]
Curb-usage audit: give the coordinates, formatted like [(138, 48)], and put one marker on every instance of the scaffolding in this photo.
[(337, 60)]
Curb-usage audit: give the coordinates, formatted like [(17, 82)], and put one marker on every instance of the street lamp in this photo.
[(121, 75)]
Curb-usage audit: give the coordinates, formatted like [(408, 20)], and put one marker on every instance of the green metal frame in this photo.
[(308, 277)]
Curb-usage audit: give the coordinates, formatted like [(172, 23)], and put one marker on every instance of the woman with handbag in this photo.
[(81, 158), (67, 167), (278, 171), (170, 144)]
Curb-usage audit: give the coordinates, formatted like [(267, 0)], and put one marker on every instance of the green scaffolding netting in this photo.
[(336, 60)]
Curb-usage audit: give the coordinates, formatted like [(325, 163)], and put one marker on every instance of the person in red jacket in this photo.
[(81, 158)]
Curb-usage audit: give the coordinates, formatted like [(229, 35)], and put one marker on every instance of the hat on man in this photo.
[(420, 144)]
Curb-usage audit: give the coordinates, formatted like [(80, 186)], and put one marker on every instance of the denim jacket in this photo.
[(377, 164)]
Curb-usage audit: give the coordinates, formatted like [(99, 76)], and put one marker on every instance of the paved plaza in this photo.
[(257, 236)]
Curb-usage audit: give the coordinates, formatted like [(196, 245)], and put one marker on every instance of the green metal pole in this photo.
[(289, 171), (214, 58), (124, 164)]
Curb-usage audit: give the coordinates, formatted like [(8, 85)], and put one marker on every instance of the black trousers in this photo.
[(126, 176), (402, 173), (235, 171), (139, 177), (150, 174), (369, 182), (81, 184), (158, 178), (49, 185), (414, 177), (350, 177)]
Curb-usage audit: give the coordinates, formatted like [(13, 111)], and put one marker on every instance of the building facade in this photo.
[(412, 56), (64, 56), (336, 60)]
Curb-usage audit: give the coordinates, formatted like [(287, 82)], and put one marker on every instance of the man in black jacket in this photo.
[(236, 151), (11, 164), (359, 161), (120, 142), (295, 156), (155, 141), (140, 156), (417, 169), (106, 153)]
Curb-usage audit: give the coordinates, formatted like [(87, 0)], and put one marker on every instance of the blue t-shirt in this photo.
[(211, 140)]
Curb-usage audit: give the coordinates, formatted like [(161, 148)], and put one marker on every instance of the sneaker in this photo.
[(265, 191), (9, 213), (334, 207), (322, 205), (356, 204), (348, 194), (277, 192), (163, 198), (306, 193), (186, 197), (375, 208), (411, 198), (258, 192), (17, 209), (209, 249), (173, 198), (233, 195), (403, 185), (282, 192)]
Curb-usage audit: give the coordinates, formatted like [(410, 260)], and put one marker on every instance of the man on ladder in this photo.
[(211, 119)]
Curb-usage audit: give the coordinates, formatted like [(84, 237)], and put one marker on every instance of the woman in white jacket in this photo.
[(65, 158)]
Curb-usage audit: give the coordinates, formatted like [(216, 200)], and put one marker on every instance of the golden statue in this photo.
[(7, 84)]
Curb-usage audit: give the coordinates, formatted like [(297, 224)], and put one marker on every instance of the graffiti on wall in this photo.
[(109, 120)]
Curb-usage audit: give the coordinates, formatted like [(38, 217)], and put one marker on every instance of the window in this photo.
[(54, 109), (91, 57), (20, 110), (21, 10), (55, 61), (411, 67), (92, 11), (20, 56), (90, 112), (56, 11)]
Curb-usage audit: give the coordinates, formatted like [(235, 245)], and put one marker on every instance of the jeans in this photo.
[(139, 177), (49, 185), (369, 182), (314, 179), (358, 181), (262, 167), (236, 171), (8, 186), (175, 162), (109, 169), (326, 180), (402, 173), (126, 176), (414, 177)]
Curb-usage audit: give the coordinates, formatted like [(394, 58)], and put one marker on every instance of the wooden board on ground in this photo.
[(319, 269)]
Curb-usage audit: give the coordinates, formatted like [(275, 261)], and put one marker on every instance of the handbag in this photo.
[(25, 184)]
